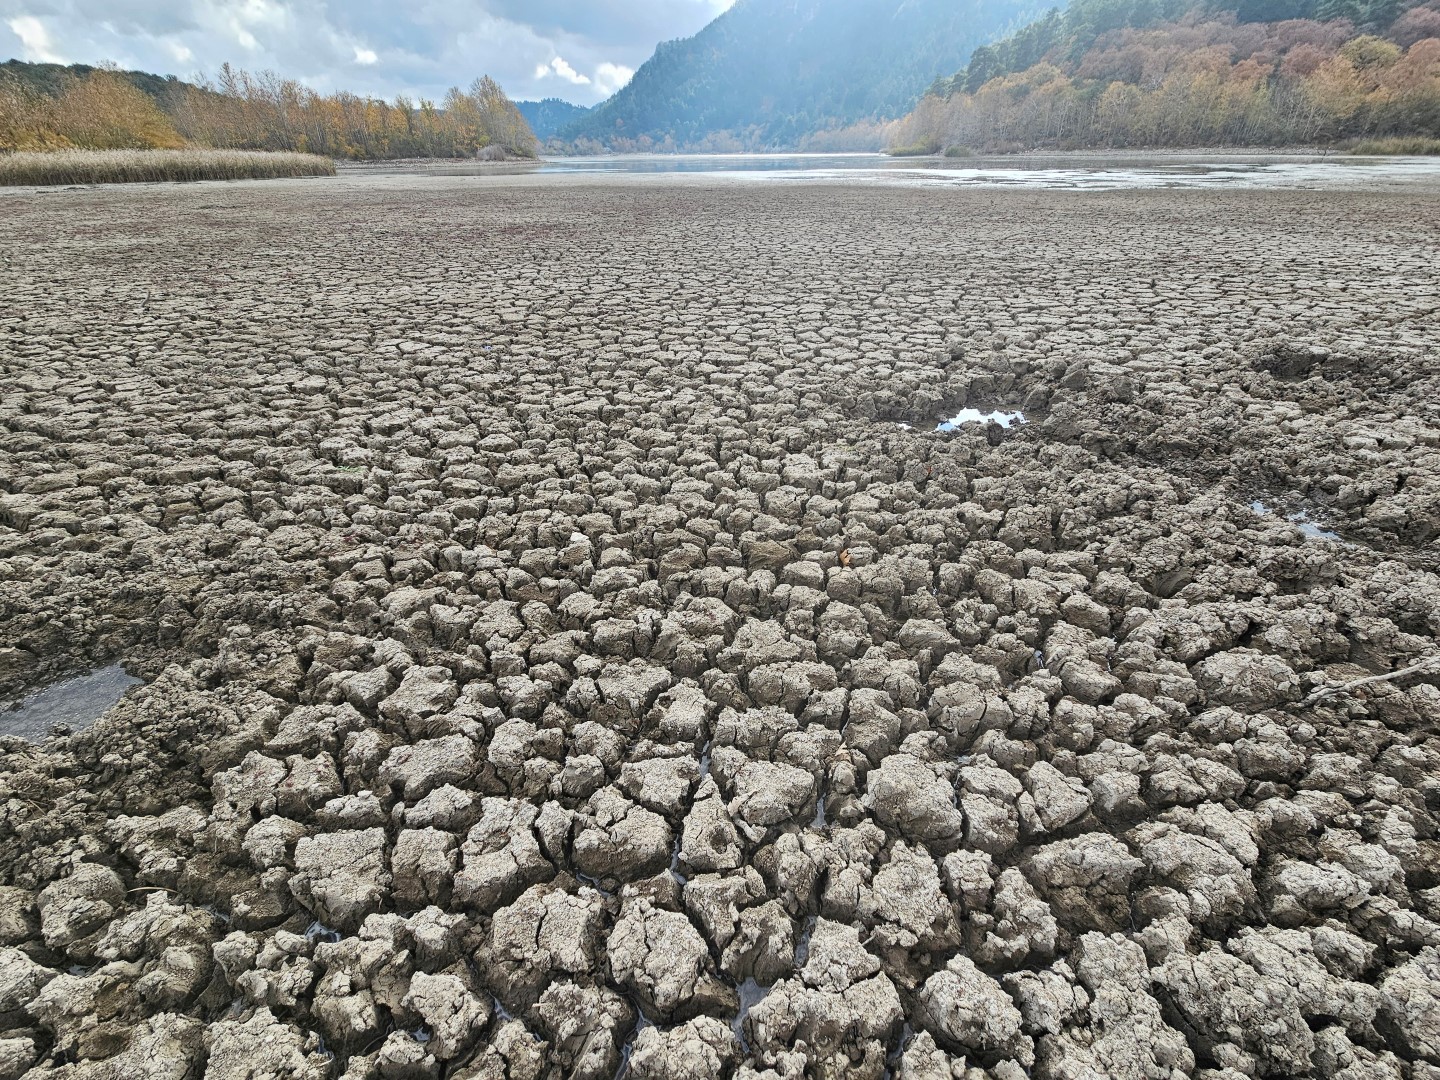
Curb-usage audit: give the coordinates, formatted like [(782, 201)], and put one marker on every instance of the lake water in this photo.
[(1079, 172), (75, 702)]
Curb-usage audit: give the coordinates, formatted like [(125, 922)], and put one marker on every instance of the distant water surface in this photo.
[(1080, 171)]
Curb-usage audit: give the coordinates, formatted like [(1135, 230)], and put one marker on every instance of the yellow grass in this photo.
[(1409, 146), (150, 166)]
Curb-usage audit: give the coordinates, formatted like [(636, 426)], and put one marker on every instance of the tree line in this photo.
[(1205, 78), (105, 109)]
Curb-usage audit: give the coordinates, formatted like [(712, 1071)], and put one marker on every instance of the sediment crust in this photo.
[(564, 662)]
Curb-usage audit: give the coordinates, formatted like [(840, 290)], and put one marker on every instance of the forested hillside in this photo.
[(550, 116), (44, 106), (51, 80), (1171, 73), (783, 73)]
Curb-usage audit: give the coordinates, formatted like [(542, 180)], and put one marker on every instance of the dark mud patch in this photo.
[(67, 706)]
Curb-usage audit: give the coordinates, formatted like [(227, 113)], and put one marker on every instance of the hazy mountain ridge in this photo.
[(770, 73), (550, 115)]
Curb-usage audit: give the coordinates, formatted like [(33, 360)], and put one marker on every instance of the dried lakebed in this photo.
[(561, 663)]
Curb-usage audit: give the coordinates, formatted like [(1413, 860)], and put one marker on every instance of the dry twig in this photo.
[(1329, 691)]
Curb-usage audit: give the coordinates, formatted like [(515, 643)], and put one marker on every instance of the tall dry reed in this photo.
[(1404, 145), (150, 166)]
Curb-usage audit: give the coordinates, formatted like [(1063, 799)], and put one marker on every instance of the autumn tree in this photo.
[(265, 112), (104, 111), (1192, 82), (25, 117), (1417, 24)]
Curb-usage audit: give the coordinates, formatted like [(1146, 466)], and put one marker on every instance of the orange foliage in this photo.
[(1198, 83), (241, 110), (102, 111)]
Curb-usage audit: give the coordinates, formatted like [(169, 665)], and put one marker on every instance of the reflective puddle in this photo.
[(751, 994), (72, 704), (979, 416), (1300, 519)]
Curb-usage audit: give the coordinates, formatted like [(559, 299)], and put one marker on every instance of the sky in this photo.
[(579, 50)]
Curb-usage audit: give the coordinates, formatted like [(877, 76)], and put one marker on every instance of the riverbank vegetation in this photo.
[(43, 107), (1166, 73), (1414, 146), (149, 166)]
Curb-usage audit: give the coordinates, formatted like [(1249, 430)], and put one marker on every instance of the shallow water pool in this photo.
[(1300, 520), (74, 703), (970, 416), (1084, 171)]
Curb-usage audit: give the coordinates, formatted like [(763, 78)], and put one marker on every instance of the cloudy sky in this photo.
[(580, 50)]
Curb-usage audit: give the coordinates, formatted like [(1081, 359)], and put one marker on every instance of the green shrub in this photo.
[(959, 152), (920, 149)]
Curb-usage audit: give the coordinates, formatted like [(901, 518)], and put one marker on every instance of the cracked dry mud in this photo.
[(562, 662)]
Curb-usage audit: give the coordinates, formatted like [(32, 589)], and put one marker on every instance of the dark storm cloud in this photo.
[(582, 51)]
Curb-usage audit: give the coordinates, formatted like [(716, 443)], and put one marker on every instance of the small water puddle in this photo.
[(802, 943), (319, 932), (72, 704), (628, 1046), (751, 994), (676, 873), (1300, 519), (979, 416)]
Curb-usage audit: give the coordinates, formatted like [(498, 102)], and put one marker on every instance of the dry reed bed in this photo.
[(150, 166), (1405, 146)]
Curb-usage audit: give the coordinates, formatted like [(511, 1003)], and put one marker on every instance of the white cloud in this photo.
[(559, 66), (34, 39), (611, 77), (263, 13), (533, 48)]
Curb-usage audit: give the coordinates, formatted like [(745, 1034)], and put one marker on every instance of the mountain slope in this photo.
[(1065, 36), (550, 116), (1189, 73), (767, 73)]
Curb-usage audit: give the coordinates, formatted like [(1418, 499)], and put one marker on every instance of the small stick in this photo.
[(1327, 691)]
